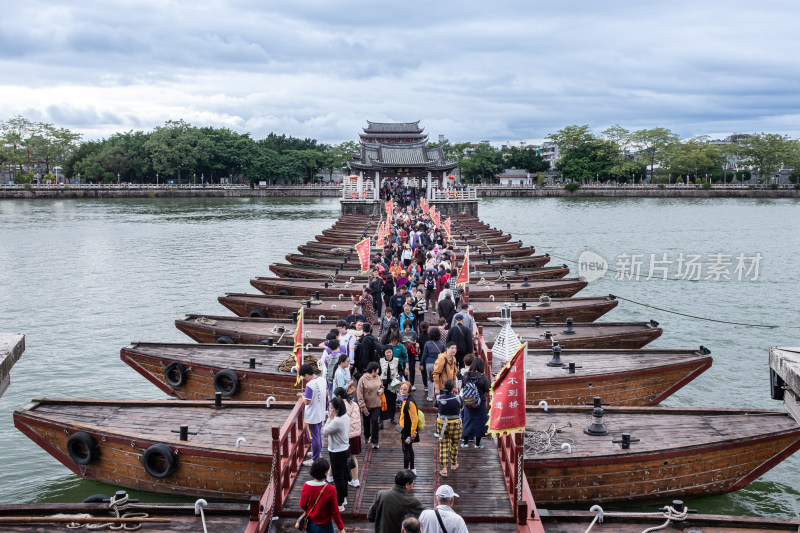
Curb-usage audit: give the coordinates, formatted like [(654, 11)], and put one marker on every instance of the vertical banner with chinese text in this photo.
[(463, 273), (362, 249), (507, 406), (446, 227)]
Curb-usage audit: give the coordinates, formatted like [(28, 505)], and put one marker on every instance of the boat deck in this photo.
[(484, 501)]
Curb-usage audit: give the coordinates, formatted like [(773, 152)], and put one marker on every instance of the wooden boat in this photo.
[(560, 288), (350, 240), (250, 372), (580, 309), (355, 233), (197, 371), (495, 273), (242, 330), (586, 335), (478, 246), (536, 261), (675, 452), (263, 306), (137, 444), (559, 521), (160, 517), (340, 252)]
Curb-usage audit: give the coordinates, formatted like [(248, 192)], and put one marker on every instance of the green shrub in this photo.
[(21, 178), (706, 185), (773, 186), (572, 186), (660, 185)]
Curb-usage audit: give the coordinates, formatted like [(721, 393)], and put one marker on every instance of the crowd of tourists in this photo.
[(408, 316)]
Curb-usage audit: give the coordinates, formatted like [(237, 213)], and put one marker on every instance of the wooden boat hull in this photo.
[(581, 309), (558, 521), (588, 335), (283, 270), (562, 288), (346, 239), (208, 464), (622, 377), (241, 330), (340, 252), (478, 246), (203, 363), (682, 453), (619, 377), (264, 306), (348, 264)]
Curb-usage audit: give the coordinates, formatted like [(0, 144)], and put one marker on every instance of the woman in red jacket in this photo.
[(318, 500)]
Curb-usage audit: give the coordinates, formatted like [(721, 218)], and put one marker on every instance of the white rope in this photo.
[(199, 505), (670, 513)]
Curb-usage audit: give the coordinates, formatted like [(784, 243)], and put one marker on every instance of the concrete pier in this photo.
[(784, 364), (11, 347)]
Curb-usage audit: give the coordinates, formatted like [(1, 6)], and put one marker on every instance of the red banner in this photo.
[(437, 219), (379, 243), (389, 207), (297, 351), (507, 407), (362, 249), (463, 274), (447, 227), (432, 213), (424, 204)]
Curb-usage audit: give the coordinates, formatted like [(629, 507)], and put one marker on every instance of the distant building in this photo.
[(550, 152), (514, 177)]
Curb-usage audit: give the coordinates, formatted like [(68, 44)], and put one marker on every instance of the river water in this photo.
[(83, 278)]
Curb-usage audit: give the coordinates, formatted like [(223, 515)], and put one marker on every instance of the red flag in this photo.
[(297, 351), (437, 219), (379, 241), (507, 407), (389, 206), (362, 249), (447, 227), (424, 204), (463, 274), (432, 213)]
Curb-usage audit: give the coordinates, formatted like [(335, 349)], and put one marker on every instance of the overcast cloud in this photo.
[(499, 71)]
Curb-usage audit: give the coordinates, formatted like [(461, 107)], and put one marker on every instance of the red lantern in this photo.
[(353, 178), (451, 177)]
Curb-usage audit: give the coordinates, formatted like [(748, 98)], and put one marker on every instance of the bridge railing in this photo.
[(454, 195)]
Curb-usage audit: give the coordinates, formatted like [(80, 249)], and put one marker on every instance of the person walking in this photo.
[(369, 391), (315, 398), (337, 429), (409, 419), (442, 517), (392, 506), (445, 367), (354, 435), (342, 377), (448, 426), (430, 353), (318, 501), (462, 336), (390, 373), (367, 351), (474, 414)]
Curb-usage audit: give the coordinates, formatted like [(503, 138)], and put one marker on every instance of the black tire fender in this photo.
[(82, 448), (159, 461), (258, 313), (175, 374), (96, 498), (225, 339), (226, 381), (283, 292)]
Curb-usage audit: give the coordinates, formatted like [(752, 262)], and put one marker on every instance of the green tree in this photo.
[(592, 159), (528, 160), (652, 144), (336, 157), (764, 153), (572, 137), (178, 149), (483, 163)]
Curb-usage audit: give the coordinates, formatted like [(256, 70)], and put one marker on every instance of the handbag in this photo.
[(302, 521)]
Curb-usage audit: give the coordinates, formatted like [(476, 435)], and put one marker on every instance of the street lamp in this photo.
[(117, 179), (156, 179), (203, 179)]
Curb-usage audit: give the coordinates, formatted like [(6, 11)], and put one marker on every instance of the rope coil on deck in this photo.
[(207, 321), (289, 362)]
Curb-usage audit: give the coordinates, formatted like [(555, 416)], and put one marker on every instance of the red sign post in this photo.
[(362, 249), (507, 406)]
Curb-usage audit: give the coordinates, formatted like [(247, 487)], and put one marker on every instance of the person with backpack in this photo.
[(430, 353), (330, 358), (367, 351), (476, 387), (462, 337), (429, 279), (408, 425)]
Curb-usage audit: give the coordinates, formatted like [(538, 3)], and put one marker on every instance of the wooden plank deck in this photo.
[(483, 502)]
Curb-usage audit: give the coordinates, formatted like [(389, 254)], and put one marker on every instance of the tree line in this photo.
[(622, 156), (176, 152)]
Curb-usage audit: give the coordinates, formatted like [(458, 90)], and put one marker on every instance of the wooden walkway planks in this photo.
[(483, 502)]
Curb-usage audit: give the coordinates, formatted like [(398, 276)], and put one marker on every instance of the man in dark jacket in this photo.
[(446, 309), (392, 506), (375, 289), (460, 335), (367, 351)]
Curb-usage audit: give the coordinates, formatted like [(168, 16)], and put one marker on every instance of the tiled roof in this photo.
[(378, 155), (393, 127)]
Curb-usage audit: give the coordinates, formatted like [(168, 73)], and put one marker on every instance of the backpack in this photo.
[(420, 420), (430, 281), (470, 394), (333, 364)]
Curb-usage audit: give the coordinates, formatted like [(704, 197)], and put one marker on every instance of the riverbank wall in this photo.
[(188, 191)]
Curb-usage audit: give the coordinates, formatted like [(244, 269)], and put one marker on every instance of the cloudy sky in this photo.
[(499, 71)]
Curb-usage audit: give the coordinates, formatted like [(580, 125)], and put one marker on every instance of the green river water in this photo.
[(82, 278)]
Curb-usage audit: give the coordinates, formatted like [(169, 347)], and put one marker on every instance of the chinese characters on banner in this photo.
[(463, 274), (437, 219), (432, 213), (424, 204), (507, 406), (446, 227), (297, 351), (379, 243), (389, 207), (362, 249)]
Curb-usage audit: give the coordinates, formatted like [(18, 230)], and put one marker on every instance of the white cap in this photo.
[(446, 491)]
